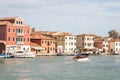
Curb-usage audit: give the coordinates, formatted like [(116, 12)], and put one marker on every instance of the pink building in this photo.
[(14, 35)]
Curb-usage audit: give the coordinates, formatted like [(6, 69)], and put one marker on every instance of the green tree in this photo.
[(114, 34)]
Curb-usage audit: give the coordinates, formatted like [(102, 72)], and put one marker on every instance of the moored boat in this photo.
[(5, 56), (22, 54)]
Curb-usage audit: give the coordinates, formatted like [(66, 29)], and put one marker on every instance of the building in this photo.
[(102, 45), (14, 35), (64, 42), (114, 46), (85, 42), (46, 45)]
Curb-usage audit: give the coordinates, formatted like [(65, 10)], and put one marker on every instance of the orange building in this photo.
[(46, 44), (14, 35)]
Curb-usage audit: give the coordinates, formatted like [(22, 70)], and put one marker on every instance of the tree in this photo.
[(32, 30), (114, 34)]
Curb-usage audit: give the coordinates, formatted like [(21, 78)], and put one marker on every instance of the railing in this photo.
[(20, 43), (20, 34)]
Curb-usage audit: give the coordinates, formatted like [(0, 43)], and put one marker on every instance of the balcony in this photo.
[(20, 34), (19, 43)]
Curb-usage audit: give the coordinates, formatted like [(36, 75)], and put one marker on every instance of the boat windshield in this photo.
[(19, 52), (82, 54)]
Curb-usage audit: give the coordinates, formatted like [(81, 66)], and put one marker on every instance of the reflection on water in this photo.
[(60, 68)]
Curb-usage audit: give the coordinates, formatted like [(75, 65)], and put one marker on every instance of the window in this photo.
[(116, 49), (19, 39), (116, 44), (16, 22), (82, 38), (8, 29), (106, 45), (13, 39), (71, 43), (8, 38), (21, 22)]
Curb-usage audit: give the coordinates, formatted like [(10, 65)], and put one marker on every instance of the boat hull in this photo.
[(83, 59), (25, 56)]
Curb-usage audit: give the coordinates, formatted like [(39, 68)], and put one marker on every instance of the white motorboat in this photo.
[(81, 57)]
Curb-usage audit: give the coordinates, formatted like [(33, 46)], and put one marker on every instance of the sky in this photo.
[(74, 16)]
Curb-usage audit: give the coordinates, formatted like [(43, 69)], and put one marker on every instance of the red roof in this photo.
[(38, 36), (114, 40)]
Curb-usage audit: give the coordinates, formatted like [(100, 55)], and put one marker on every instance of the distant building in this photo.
[(85, 42), (114, 46), (102, 45), (64, 42), (44, 45), (14, 35)]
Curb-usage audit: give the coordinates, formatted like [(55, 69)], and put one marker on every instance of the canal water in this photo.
[(60, 68)]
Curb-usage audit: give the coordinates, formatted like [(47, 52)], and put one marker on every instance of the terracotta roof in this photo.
[(4, 22), (95, 36), (53, 33), (63, 34), (114, 40), (7, 18), (85, 35), (38, 36), (44, 32)]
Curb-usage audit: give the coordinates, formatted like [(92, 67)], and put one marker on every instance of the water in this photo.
[(60, 68)]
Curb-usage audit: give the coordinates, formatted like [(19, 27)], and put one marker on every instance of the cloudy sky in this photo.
[(75, 16)]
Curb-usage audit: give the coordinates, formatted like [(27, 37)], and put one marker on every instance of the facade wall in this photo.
[(105, 47), (79, 42), (2, 32), (60, 42), (70, 44), (49, 46), (85, 42), (16, 34), (88, 42), (111, 46), (117, 47), (98, 44)]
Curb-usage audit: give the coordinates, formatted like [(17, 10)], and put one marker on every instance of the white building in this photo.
[(70, 44)]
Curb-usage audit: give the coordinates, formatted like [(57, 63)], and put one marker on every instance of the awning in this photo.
[(37, 48)]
